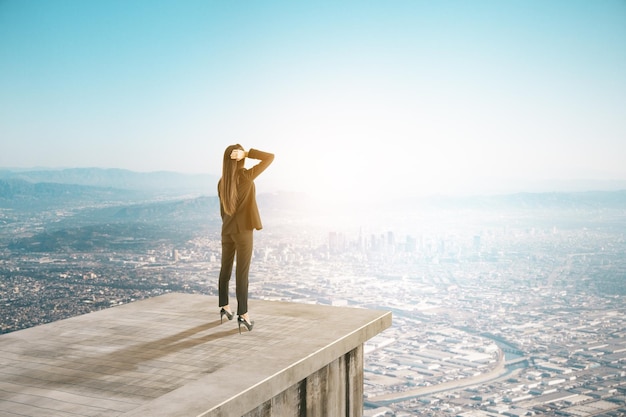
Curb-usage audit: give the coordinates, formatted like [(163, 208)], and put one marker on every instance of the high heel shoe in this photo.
[(226, 313), (249, 325)]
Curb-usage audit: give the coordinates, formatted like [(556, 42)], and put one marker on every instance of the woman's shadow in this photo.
[(109, 371), (153, 350)]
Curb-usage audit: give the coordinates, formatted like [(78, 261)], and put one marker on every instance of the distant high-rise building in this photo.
[(336, 242), (390, 247), (411, 244), (391, 239)]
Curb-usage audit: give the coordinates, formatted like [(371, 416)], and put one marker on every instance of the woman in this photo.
[(240, 216)]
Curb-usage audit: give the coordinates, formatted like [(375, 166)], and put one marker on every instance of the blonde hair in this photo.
[(228, 183)]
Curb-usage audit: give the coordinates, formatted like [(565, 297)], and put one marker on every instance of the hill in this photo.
[(27, 196), (162, 181)]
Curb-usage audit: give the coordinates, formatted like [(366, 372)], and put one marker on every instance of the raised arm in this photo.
[(265, 159)]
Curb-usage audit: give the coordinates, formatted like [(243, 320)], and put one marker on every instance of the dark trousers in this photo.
[(239, 244)]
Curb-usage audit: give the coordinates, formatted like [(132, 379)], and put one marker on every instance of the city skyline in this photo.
[(353, 98), (539, 278)]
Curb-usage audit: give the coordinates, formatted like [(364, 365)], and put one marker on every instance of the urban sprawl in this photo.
[(509, 317)]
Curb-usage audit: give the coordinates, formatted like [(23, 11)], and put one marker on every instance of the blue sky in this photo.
[(352, 97)]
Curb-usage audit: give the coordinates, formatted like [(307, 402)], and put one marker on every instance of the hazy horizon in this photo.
[(358, 97), (204, 184)]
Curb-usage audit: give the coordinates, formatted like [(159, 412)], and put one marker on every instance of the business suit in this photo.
[(237, 231)]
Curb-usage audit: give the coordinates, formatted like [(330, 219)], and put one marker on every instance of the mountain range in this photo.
[(162, 181), (95, 186), (94, 202)]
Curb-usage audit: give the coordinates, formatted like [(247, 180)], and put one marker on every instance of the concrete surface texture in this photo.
[(170, 356)]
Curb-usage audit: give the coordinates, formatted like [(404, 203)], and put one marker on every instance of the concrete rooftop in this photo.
[(169, 356)]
